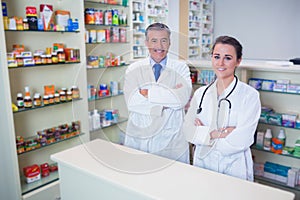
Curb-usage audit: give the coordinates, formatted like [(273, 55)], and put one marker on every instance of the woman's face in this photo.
[(224, 60)]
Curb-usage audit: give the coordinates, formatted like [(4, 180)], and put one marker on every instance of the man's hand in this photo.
[(179, 85), (144, 92)]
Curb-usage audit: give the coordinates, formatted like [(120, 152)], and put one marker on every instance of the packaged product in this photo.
[(62, 19), (45, 169), (32, 173), (46, 14), (31, 16)]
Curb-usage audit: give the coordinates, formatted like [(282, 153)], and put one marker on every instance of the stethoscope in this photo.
[(220, 101)]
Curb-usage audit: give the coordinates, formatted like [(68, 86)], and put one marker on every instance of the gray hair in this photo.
[(157, 27)]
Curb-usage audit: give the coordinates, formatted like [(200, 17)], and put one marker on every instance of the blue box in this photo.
[(4, 9)]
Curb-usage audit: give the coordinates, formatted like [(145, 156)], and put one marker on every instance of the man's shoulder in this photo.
[(176, 62), (138, 63)]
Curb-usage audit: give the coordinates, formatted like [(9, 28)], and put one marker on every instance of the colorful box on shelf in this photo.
[(289, 120), (32, 173)]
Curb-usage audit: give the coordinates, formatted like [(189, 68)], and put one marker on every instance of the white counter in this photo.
[(102, 170)]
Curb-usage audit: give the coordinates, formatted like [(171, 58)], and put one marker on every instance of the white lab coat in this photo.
[(230, 155), (155, 123)]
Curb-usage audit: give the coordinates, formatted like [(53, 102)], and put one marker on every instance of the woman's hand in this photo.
[(198, 122), (222, 133)]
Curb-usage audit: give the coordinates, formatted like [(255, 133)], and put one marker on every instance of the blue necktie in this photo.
[(157, 69)]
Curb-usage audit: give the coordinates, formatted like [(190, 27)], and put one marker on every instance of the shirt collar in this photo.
[(163, 63)]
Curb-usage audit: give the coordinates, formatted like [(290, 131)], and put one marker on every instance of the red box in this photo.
[(32, 173), (45, 169)]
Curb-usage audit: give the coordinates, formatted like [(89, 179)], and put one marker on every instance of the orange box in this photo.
[(49, 89)]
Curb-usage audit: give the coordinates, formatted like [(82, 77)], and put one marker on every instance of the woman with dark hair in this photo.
[(223, 116)]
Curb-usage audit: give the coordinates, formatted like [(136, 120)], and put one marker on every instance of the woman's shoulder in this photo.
[(247, 89)]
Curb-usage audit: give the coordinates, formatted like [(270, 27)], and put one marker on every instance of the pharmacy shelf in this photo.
[(260, 149), (54, 104), (29, 187), (103, 25), (278, 125), (261, 179), (42, 31), (120, 120), (105, 97), (292, 93), (105, 4), (62, 140), (43, 65), (107, 67), (96, 43)]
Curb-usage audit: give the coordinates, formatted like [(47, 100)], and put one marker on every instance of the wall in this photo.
[(267, 29), (173, 24)]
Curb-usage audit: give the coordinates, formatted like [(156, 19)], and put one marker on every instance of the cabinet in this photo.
[(111, 56), (26, 123), (144, 13), (281, 102), (196, 28)]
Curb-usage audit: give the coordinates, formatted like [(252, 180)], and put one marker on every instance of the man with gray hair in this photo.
[(156, 91)]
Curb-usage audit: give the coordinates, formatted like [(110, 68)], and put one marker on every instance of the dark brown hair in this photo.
[(230, 41)]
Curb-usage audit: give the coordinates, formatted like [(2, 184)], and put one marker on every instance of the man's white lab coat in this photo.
[(155, 123)]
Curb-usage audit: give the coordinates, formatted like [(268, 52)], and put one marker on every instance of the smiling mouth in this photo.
[(221, 69), (159, 50)]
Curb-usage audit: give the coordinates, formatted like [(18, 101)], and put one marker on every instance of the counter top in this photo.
[(159, 178)]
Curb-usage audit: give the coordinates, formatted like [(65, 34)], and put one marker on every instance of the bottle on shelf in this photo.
[(27, 98), (91, 121), (267, 139), (20, 100), (281, 136), (96, 120)]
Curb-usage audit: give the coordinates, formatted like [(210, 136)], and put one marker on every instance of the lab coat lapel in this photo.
[(214, 108)]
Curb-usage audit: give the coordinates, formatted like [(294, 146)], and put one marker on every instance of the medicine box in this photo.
[(260, 139)]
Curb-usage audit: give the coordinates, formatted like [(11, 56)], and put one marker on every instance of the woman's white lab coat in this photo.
[(155, 123), (230, 155)]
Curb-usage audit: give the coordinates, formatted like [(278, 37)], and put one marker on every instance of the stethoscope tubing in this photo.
[(223, 99)]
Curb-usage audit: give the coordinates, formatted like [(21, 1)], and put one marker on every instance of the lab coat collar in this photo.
[(163, 63), (228, 89)]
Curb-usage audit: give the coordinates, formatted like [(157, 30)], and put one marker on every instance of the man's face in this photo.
[(158, 43)]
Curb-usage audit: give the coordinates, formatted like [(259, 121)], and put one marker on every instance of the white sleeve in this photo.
[(242, 137), (198, 135), (175, 98)]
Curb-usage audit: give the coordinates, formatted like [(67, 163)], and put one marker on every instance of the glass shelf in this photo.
[(107, 67), (279, 92), (262, 179), (260, 149), (29, 187), (105, 97), (121, 120), (55, 104), (112, 25), (107, 43), (52, 31), (43, 65), (106, 4), (53, 143), (278, 125)]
